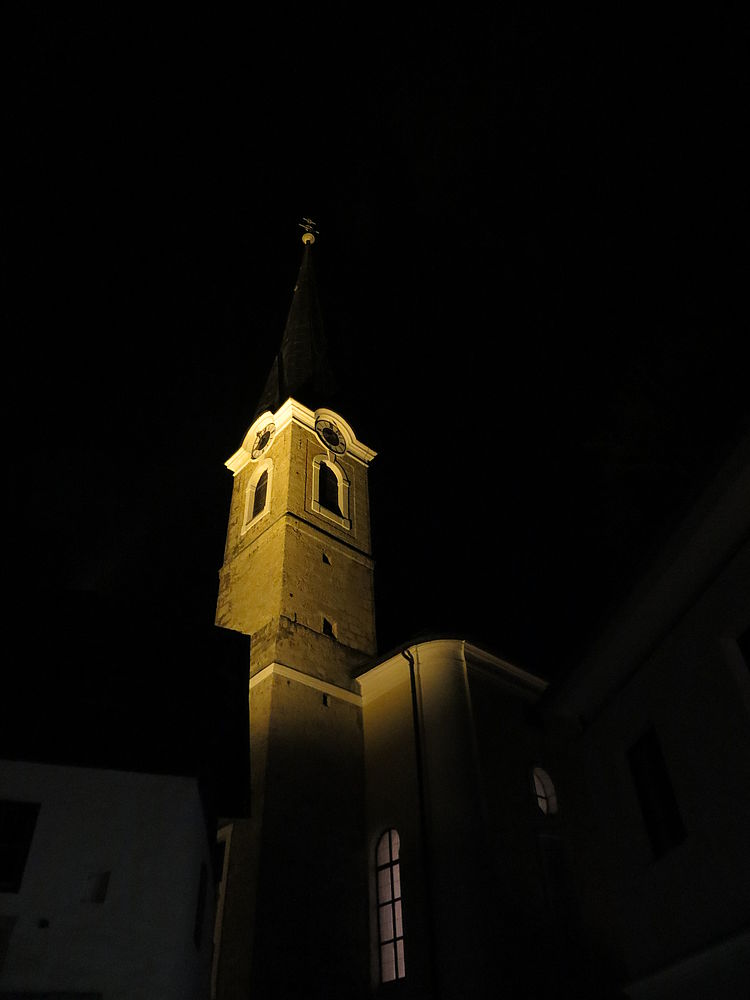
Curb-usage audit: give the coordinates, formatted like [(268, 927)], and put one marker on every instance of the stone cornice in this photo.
[(280, 670)]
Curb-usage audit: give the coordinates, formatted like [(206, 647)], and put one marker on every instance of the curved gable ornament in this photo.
[(291, 410)]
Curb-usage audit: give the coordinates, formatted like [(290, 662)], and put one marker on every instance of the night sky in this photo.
[(532, 267)]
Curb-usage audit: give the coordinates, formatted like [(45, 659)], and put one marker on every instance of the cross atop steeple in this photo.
[(309, 226)]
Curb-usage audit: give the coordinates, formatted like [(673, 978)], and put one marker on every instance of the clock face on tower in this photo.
[(262, 439), (331, 436)]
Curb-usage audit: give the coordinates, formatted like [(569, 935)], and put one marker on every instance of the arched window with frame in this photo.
[(546, 796), (258, 494), (328, 489), (390, 914), (261, 491)]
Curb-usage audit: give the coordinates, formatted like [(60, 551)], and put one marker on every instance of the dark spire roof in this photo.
[(300, 368)]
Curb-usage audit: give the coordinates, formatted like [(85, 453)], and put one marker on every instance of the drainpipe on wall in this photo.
[(423, 820)]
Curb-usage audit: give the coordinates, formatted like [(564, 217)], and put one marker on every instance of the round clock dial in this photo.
[(261, 440), (331, 436)]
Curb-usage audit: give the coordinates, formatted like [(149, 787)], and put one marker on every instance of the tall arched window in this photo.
[(261, 491), (546, 796), (258, 494), (328, 489), (390, 916)]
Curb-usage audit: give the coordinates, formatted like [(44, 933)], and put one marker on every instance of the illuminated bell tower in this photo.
[(298, 579)]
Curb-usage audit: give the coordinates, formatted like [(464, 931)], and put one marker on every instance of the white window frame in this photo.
[(343, 521)]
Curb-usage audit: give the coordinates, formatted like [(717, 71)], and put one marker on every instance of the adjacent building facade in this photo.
[(106, 885), (655, 769)]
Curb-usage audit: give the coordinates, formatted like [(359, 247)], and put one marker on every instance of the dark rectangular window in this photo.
[(743, 641), (6, 929), (661, 814), (200, 906), (17, 822)]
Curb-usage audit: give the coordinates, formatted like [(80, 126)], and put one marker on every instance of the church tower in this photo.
[(298, 571), (297, 579)]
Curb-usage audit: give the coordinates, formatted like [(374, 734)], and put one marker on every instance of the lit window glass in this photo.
[(546, 797), (390, 917)]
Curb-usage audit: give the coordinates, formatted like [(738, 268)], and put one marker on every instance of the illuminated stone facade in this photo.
[(298, 577)]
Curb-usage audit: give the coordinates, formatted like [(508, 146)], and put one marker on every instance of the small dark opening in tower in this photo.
[(326, 560), (328, 628), (96, 887), (329, 489), (261, 489)]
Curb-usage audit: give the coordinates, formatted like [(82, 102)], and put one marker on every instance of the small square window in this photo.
[(96, 887)]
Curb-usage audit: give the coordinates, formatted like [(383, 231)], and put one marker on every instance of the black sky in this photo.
[(532, 267)]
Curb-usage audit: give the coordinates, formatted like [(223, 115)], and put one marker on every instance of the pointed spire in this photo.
[(300, 368)]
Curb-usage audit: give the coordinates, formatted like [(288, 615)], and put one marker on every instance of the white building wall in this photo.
[(149, 832), (426, 778)]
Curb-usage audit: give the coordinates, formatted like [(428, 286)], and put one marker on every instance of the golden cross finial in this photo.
[(310, 229)]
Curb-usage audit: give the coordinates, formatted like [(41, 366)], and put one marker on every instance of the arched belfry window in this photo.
[(261, 493), (546, 796), (330, 490), (258, 495), (390, 915)]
